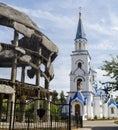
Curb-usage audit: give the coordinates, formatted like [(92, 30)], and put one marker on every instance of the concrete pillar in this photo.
[(13, 78), (10, 108), (23, 98), (37, 102), (23, 74), (47, 102), (47, 109), (22, 108), (1, 101)]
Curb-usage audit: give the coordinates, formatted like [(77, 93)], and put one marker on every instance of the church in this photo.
[(86, 98)]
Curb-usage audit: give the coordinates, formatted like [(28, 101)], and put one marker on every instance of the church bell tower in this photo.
[(80, 61), (81, 75)]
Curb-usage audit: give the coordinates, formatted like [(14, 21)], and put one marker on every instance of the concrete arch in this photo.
[(79, 60), (6, 89), (79, 77)]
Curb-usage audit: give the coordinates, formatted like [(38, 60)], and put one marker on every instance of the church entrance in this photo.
[(77, 109), (78, 117)]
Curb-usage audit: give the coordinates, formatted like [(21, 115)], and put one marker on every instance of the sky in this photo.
[(58, 20)]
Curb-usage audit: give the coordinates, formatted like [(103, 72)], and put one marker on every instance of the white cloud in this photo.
[(100, 76), (115, 28), (97, 28), (114, 19), (61, 80), (58, 20), (103, 45)]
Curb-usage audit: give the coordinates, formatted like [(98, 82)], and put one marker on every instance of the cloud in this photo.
[(115, 28), (58, 20), (61, 80), (97, 28), (6, 38), (100, 76), (113, 18), (103, 45)]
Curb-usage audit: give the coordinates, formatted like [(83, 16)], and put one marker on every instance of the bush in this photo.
[(95, 117)]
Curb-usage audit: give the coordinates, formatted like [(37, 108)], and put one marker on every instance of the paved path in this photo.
[(99, 125)]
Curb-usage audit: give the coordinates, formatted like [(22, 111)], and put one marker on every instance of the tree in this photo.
[(116, 99), (62, 97), (54, 96), (111, 67)]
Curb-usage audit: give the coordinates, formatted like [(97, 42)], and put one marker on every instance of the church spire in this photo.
[(80, 31)]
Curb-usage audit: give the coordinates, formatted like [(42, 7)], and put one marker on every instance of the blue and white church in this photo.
[(87, 100)]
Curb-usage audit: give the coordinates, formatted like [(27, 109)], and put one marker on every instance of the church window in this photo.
[(80, 45), (112, 110), (93, 78), (79, 84), (79, 65)]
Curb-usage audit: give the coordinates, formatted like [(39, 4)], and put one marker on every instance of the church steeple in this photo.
[(80, 40), (80, 30)]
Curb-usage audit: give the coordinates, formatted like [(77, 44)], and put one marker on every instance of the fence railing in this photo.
[(24, 119)]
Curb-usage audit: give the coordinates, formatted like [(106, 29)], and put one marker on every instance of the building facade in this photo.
[(84, 96)]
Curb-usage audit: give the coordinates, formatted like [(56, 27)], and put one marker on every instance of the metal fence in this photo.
[(27, 119)]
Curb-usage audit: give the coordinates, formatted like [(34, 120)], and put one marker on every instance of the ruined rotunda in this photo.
[(28, 50)]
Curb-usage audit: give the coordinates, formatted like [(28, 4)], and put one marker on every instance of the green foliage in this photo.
[(58, 99), (30, 108), (62, 97), (55, 96), (111, 67), (55, 111), (116, 99), (4, 105), (95, 117), (116, 122)]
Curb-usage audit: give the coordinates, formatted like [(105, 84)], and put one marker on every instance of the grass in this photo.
[(95, 119), (116, 122)]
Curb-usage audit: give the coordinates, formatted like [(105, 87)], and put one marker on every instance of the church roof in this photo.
[(80, 30), (112, 101), (79, 96)]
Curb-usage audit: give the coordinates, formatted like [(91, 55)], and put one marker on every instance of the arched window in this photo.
[(80, 46), (79, 84), (112, 110), (79, 65)]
